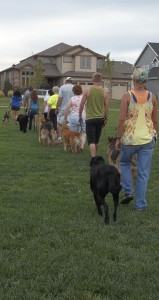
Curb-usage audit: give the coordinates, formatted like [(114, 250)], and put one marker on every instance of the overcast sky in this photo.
[(121, 27)]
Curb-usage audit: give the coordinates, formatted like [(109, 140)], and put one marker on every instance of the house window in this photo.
[(100, 63), (46, 60), (67, 59), (85, 62), (26, 75)]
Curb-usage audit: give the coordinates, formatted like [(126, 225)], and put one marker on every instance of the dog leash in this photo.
[(80, 124)]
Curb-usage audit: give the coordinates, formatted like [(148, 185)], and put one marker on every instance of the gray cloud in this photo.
[(120, 27)]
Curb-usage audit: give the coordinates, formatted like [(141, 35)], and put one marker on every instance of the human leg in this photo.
[(93, 131), (16, 114), (126, 173), (31, 115), (144, 159), (60, 121), (93, 150), (54, 119), (45, 116)]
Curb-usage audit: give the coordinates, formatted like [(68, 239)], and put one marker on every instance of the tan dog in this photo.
[(47, 135), (38, 122), (73, 140), (113, 156)]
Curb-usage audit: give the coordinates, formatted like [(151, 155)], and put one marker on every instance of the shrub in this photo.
[(10, 93), (7, 86), (1, 93)]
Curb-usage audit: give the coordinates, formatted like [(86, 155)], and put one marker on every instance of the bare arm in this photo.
[(106, 104), (67, 109), (83, 101), (123, 112), (59, 102), (49, 108), (154, 113), (44, 105)]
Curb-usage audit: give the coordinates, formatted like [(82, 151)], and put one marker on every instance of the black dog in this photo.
[(23, 122), (104, 179)]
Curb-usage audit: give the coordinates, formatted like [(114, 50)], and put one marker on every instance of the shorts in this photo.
[(61, 117), (93, 130), (15, 108)]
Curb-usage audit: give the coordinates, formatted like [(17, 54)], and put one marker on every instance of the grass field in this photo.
[(53, 243)]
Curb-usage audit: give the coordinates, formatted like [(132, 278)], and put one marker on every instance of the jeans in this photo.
[(144, 159), (31, 117), (75, 126)]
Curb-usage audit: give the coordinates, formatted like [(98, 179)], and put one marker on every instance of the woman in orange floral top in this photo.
[(137, 134)]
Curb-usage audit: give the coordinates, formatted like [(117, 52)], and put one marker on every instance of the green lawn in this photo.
[(53, 243)]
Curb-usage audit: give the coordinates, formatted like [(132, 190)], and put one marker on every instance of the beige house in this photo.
[(61, 61)]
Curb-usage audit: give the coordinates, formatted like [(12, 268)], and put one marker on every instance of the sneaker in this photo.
[(140, 208), (126, 199)]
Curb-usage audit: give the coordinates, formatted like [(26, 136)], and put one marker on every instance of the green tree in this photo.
[(7, 87), (37, 80), (107, 70)]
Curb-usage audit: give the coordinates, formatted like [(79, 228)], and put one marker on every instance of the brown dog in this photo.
[(73, 140), (113, 156), (47, 135)]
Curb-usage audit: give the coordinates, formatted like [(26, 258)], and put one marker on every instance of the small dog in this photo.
[(113, 156), (47, 135), (104, 179), (6, 117), (73, 140), (23, 122)]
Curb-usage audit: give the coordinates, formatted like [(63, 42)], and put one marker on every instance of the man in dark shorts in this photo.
[(97, 107)]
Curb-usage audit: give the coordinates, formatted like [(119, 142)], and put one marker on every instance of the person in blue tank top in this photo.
[(33, 107), (15, 104)]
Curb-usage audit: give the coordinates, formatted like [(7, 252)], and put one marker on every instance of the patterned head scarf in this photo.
[(140, 75)]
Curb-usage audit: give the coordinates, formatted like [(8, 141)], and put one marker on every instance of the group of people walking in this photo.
[(31, 104), (88, 111)]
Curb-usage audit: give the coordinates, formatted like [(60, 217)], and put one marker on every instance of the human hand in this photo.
[(80, 120), (105, 119), (118, 143)]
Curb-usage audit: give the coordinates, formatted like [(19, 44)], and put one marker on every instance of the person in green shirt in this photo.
[(96, 101)]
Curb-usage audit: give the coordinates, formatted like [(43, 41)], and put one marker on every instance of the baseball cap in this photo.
[(69, 78), (140, 75)]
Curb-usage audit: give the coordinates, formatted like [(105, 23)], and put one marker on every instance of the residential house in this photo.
[(149, 59), (61, 61)]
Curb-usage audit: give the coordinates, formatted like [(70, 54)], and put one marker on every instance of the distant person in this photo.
[(16, 100), (26, 96), (65, 93), (33, 106), (52, 103), (45, 104), (72, 109), (96, 102), (137, 134)]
